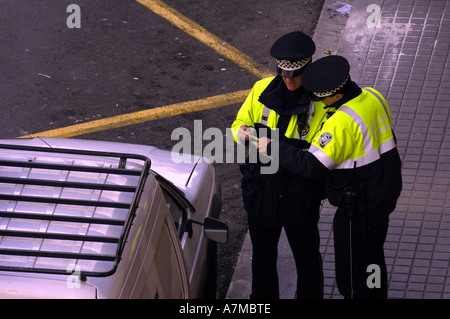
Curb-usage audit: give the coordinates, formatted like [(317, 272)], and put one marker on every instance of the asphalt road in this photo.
[(126, 58)]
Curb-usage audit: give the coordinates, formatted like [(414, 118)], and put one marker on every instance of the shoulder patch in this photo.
[(324, 139)]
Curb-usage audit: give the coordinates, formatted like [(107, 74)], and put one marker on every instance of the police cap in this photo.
[(326, 76), (293, 51)]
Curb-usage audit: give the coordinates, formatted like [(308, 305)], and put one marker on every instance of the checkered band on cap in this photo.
[(329, 93), (292, 65)]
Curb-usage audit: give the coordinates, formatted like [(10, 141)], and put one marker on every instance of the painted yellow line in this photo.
[(198, 32), (145, 115)]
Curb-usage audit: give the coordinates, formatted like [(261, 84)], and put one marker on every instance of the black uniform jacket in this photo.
[(283, 198), (382, 179)]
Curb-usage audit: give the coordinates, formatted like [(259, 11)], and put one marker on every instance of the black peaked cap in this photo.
[(326, 75), (293, 46)]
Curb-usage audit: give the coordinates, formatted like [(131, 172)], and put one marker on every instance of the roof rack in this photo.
[(63, 231)]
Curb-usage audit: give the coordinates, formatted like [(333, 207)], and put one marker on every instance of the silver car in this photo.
[(94, 219)]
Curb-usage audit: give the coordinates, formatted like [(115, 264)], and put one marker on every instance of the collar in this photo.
[(353, 92), (278, 98)]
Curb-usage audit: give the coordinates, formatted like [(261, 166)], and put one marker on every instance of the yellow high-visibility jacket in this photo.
[(357, 134), (355, 145), (255, 114), (281, 197)]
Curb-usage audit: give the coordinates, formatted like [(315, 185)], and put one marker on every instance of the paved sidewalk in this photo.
[(407, 59)]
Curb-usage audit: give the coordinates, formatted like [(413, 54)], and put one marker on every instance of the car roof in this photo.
[(61, 207), (162, 162)]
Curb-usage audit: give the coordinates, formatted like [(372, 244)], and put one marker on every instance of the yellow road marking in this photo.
[(145, 115), (198, 32)]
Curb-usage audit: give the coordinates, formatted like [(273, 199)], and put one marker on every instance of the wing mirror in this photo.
[(214, 229)]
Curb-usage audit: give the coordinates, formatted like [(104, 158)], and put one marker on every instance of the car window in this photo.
[(179, 215), (176, 201)]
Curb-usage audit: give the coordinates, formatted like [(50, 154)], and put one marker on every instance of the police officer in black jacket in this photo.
[(356, 150), (283, 199)]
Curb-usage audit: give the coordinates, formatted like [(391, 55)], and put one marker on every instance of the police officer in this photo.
[(282, 199), (356, 150)]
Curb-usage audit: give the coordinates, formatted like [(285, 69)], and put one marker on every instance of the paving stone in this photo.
[(407, 61)]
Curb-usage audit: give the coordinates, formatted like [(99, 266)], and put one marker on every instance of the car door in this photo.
[(192, 240), (166, 277), (163, 272)]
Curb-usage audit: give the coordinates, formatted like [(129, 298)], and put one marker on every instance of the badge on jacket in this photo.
[(324, 139), (303, 123)]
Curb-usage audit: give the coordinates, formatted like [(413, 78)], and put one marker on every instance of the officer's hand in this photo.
[(262, 145), (244, 133)]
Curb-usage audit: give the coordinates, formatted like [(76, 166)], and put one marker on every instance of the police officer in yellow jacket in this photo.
[(283, 199), (356, 150)]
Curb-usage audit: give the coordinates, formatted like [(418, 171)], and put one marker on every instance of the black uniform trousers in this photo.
[(359, 255), (304, 241)]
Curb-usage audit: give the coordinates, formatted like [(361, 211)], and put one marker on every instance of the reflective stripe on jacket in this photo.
[(279, 198), (357, 134), (253, 112)]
